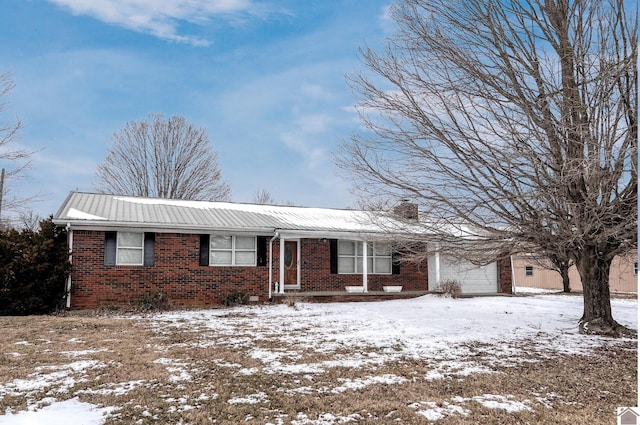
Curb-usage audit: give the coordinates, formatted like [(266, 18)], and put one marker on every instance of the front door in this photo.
[(291, 262)]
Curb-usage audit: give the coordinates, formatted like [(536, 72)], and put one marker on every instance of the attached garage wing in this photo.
[(474, 279)]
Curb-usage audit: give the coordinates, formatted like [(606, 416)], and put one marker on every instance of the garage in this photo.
[(474, 279)]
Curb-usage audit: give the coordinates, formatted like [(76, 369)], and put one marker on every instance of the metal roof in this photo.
[(107, 211)]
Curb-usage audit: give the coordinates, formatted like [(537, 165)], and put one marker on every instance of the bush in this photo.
[(235, 298), (292, 300), (34, 266), (156, 301), (450, 288)]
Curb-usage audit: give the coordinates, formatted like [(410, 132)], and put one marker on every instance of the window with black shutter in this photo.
[(261, 251), (149, 249), (204, 250), (110, 246), (395, 263), (333, 255)]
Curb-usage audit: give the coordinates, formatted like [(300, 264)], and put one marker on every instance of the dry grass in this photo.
[(169, 374)]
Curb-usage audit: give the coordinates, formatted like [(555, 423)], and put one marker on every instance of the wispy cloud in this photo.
[(160, 18), (306, 138)]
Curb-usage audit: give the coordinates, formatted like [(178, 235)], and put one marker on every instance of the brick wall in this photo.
[(316, 273), (177, 273), (505, 276)]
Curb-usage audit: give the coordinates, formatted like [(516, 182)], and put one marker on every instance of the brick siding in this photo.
[(177, 273), (505, 276)]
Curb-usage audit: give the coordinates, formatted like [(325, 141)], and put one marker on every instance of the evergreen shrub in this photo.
[(34, 266)]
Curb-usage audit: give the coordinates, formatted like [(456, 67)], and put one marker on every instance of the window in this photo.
[(232, 251), (350, 258), (528, 271), (635, 268), (129, 248)]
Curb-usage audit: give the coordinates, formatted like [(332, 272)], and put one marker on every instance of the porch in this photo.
[(344, 296)]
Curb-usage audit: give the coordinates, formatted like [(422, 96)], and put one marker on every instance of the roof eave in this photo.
[(101, 225)]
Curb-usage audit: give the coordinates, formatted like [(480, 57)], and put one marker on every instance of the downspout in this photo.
[(275, 235), (70, 244), (281, 284)]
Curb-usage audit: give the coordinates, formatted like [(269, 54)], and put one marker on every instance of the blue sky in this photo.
[(265, 78)]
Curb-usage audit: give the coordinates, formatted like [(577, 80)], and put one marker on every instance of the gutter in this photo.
[(275, 235), (156, 227)]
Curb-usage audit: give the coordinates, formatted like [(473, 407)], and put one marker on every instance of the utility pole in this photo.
[(1, 192)]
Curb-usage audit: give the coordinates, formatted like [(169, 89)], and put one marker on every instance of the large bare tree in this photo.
[(513, 122), (13, 159), (164, 158)]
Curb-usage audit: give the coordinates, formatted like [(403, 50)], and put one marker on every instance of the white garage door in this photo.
[(474, 279)]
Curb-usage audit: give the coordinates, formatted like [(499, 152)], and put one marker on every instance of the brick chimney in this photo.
[(407, 210)]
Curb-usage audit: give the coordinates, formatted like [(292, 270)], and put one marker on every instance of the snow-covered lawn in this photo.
[(307, 352)]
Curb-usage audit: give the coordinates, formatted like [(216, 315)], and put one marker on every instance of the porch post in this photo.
[(365, 277), (281, 285)]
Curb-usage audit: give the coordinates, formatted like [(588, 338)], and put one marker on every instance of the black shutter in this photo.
[(110, 248), (261, 251), (204, 250), (149, 249), (333, 255), (395, 263)]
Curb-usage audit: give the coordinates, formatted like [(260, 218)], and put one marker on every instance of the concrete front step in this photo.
[(343, 296)]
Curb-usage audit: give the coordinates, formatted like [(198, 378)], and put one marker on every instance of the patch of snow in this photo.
[(299, 390), (357, 384), (447, 369), (250, 399), (533, 290), (493, 401), (176, 367), (120, 388), (324, 419), (59, 413), (438, 411), (59, 381), (81, 353), (81, 215)]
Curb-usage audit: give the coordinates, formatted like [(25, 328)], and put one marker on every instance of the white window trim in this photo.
[(234, 250), (358, 259), (124, 247), (377, 258), (298, 284)]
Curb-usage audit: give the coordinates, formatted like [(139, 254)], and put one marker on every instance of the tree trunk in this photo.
[(564, 272), (594, 272)]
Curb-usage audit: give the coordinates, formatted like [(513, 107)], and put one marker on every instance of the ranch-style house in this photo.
[(123, 248)]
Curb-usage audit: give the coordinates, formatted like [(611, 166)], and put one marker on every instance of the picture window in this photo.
[(232, 251)]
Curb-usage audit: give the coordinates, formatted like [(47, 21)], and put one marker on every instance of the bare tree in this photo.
[(13, 159), (263, 197), (29, 220), (557, 262), (164, 158), (513, 122)]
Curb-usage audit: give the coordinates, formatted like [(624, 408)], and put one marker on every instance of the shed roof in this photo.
[(107, 211)]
